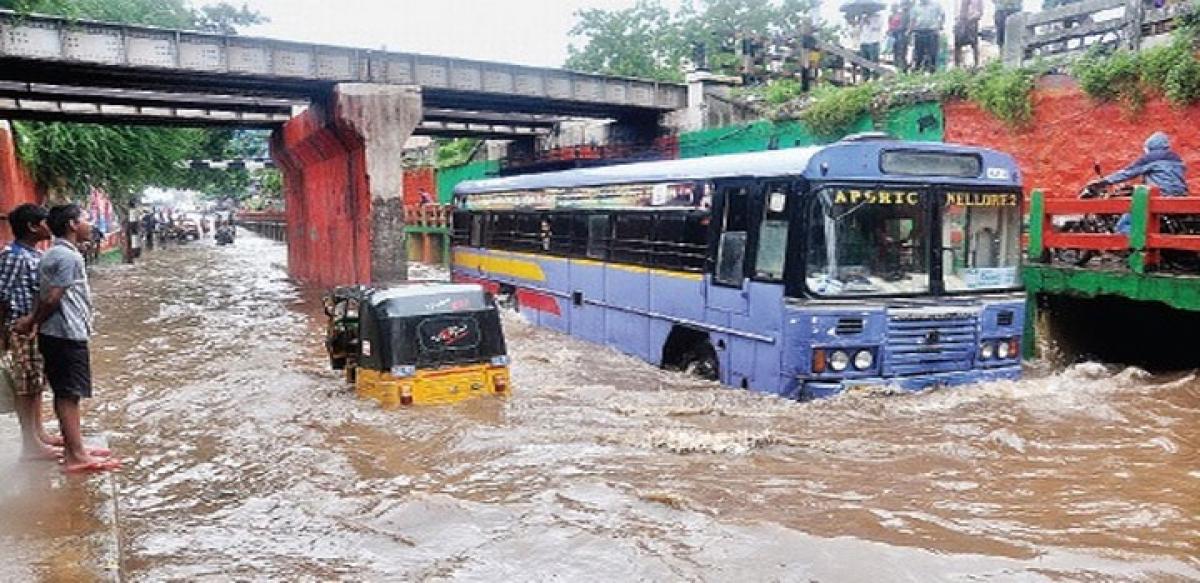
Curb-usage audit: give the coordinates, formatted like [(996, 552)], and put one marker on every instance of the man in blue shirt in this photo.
[(1159, 166), (18, 295)]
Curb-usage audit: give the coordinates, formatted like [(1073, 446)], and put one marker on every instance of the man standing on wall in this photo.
[(966, 29), (64, 318), (927, 22), (18, 296)]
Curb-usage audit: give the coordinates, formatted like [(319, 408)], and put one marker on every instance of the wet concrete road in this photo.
[(247, 459)]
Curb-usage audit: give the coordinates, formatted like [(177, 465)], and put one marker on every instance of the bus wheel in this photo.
[(701, 361)]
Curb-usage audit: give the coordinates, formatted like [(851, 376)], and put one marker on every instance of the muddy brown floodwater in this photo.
[(247, 459)]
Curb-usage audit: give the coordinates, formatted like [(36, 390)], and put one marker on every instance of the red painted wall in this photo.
[(328, 203), (16, 185), (416, 180), (1069, 132)]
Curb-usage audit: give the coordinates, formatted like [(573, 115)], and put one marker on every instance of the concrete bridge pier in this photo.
[(343, 184)]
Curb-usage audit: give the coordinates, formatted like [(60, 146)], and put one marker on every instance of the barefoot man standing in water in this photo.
[(64, 315)]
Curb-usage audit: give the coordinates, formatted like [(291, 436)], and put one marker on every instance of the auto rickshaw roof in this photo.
[(430, 298)]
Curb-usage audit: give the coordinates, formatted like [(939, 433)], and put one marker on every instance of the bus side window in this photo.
[(773, 234), (598, 236), (695, 241), (477, 230), (632, 238), (561, 240), (731, 247), (667, 250), (460, 226)]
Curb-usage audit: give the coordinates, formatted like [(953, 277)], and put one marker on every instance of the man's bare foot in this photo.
[(43, 453), (51, 440), (91, 464)]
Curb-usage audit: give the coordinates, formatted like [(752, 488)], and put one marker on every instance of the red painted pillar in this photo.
[(17, 187), (343, 185)]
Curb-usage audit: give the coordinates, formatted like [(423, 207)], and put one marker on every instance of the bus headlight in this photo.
[(839, 360), (985, 350), (1002, 350), (863, 360)]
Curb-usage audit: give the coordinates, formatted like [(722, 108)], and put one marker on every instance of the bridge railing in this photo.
[(434, 216), (1076, 27), (1144, 242), (270, 224)]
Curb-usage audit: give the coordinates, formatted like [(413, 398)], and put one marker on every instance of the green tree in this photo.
[(124, 160), (648, 41), (642, 41)]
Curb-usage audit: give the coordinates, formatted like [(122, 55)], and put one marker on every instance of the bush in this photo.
[(1182, 85), (833, 110), (1115, 77), (782, 91), (1004, 93)]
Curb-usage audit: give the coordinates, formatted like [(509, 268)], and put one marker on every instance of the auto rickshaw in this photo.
[(419, 343)]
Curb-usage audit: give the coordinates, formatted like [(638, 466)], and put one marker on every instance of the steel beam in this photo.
[(55, 50)]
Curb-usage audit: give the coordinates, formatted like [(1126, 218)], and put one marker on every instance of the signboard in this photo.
[(661, 195)]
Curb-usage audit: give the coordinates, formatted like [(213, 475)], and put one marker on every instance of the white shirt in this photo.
[(870, 29)]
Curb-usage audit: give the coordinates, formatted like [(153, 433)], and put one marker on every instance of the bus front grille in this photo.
[(924, 344)]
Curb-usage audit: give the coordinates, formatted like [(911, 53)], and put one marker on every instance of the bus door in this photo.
[(730, 247)]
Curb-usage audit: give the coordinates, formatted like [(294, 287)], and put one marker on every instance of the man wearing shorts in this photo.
[(18, 296), (64, 317)]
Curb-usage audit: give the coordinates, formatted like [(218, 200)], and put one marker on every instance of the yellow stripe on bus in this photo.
[(497, 263), (517, 268)]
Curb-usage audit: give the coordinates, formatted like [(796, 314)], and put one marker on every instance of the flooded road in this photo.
[(247, 459)]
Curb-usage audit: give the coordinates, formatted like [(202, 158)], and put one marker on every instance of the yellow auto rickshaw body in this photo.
[(418, 344)]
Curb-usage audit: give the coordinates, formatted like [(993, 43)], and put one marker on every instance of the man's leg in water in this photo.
[(29, 385), (75, 455)]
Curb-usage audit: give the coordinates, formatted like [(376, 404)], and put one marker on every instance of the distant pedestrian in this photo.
[(869, 30), (966, 30), (898, 24), (149, 224), (18, 296), (64, 320), (426, 198), (927, 22)]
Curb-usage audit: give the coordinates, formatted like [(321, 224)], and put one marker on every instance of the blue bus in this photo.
[(798, 272)]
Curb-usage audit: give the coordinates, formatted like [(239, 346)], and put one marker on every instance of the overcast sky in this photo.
[(528, 32)]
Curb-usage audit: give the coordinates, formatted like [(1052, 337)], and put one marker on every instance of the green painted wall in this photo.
[(448, 178), (919, 122)]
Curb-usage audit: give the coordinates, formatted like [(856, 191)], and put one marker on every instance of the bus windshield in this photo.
[(868, 242)]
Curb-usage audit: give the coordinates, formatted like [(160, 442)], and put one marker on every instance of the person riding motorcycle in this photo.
[(1159, 166)]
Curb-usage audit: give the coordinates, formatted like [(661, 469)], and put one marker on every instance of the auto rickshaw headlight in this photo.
[(404, 371), (501, 360), (1002, 350)]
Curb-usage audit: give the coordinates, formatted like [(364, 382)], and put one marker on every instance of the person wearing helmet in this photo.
[(1158, 166)]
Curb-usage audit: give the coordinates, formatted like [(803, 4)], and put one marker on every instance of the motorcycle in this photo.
[(1087, 223), (224, 235)]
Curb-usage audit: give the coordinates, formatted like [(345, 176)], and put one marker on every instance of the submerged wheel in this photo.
[(701, 362), (337, 363)]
